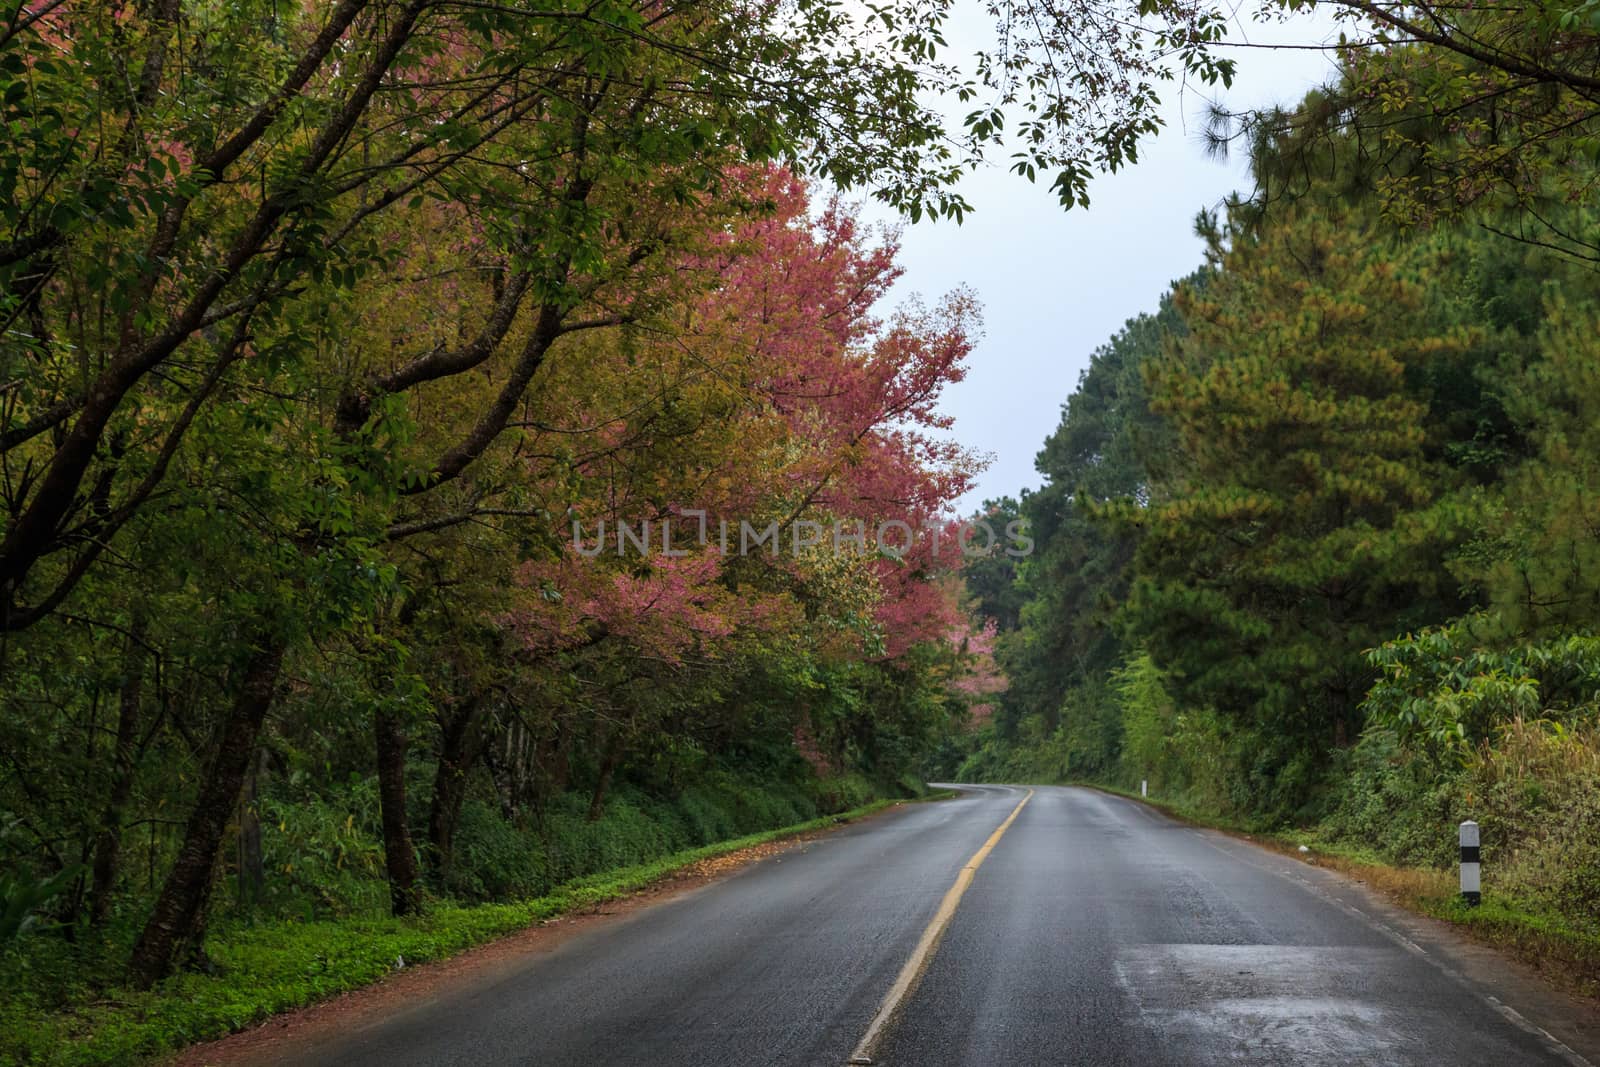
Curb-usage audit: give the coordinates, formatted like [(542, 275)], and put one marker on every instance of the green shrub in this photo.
[(496, 860), (1450, 687), (1577, 888), (322, 853), (1402, 806), (24, 896)]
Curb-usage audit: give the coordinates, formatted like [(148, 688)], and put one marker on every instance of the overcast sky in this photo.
[(1056, 284)]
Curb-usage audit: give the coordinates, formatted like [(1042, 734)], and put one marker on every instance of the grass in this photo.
[(1563, 950), (274, 967)]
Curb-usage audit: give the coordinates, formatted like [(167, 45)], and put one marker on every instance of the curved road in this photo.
[(1094, 931)]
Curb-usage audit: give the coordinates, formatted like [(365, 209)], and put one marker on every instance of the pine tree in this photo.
[(1545, 520), (1289, 534)]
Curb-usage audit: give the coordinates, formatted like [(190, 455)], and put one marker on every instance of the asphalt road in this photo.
[(1094, 932)]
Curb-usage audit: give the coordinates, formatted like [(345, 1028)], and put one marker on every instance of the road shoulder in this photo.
[(412, 986), (1526, 994)]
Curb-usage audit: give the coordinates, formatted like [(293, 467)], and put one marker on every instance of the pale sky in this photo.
[(1056, 284)]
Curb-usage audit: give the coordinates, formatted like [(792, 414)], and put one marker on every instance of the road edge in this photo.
[(1484, 965), (628, 889), (1564, 959)]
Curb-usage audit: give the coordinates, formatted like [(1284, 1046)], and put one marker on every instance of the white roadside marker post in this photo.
[(1144, 787), (1471, 888)]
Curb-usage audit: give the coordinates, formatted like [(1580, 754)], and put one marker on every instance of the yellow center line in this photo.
[(912, 972)]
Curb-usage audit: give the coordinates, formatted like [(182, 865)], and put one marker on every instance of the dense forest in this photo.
[(453, 452), (1319, 538)]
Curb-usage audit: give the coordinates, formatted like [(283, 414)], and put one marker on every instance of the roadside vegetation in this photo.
[(1319, 539)]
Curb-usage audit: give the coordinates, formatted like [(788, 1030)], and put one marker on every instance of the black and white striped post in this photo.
[(1470, 887)]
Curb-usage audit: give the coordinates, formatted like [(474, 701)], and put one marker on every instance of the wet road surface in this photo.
[(1092, 931)]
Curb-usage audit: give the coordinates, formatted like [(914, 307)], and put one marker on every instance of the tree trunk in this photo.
[(191, 951), (457, 753), (108, 843), (508, 763), (399, 856), (252, 870), (177, 909), (608, 767), (561, 766)]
